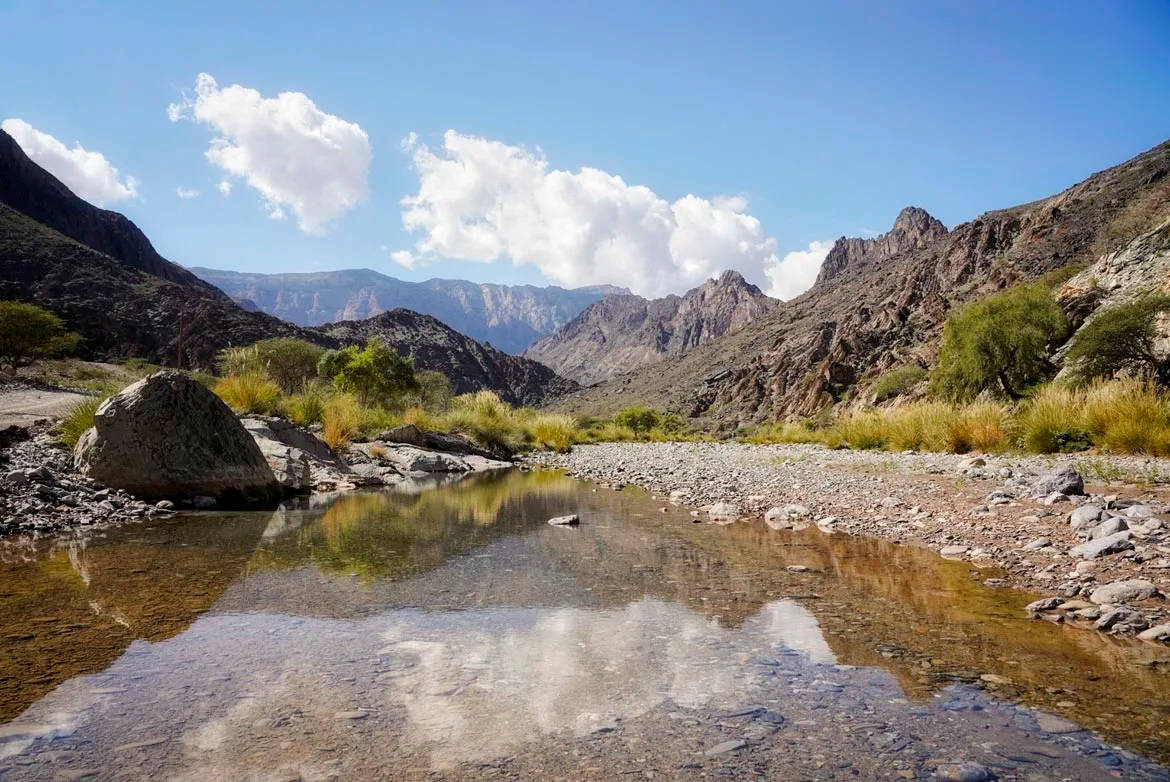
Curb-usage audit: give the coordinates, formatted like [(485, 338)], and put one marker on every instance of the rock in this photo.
[(726, 746), (1156, 633), (1055, 498), (203, 502), (783, 517), (1142, 511), (1124, 591), (570, 520), (410, 459), (410, 434), (1110, 544), (1037, 544), (168, 436), (724, 510), (1066, 481), (165, 505), (1111, 526), (1121, 620), (964, 771), (1050, 723), (953, 552), (1084, 516), (1044, 604)]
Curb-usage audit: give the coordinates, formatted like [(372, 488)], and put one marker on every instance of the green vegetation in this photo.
[(29, 332), (1121, 339), (251, 392), (897, 382), (375, 373), (77, 420), (999, 344), (288, 362)]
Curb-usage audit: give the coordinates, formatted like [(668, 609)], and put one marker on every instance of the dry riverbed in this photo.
[(1100, 558)]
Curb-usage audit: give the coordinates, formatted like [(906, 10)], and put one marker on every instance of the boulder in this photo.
[(1085, 516), (1066, 481), (168, 436), (409, 434), (1124, 591), (1110, 544), (1111, 526)]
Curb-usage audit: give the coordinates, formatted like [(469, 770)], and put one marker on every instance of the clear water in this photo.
[(452, 633)]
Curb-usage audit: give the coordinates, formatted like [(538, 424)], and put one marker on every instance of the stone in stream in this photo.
[(1044, 604), (724, 510), (1050, 723), (963, 771), (1121, 620), (571, 520), (169, 436), (1124, 591), (1110, 544)]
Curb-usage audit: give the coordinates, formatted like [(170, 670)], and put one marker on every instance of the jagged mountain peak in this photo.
[(913, 229)]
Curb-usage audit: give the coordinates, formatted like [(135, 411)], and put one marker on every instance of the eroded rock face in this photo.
[(167, 436)]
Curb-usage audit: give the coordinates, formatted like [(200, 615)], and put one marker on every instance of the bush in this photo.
[(434, 390), (1051, 422), (637, 418), (28, 333), (1127, 416), (553, 430), (1120, 339), (341, 420), (375, 373), (78, 420), (897, 382), (999, 344), (251, 392), (306, 408)]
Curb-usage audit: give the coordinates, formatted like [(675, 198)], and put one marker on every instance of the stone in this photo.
[(1065, 481), (298, 458), (1044, 604), (1121, 620), (1037, 544), (1123, 591), (1142, 511), (953, 552), (570, 520), (726, 746), (1111, 526), (1055, 498), (1050, 723), (1084, 516), (1156, 633), (724, 510), (169, 436), (963, 771), (1111, 544)]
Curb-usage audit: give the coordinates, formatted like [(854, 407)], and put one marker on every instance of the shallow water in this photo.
[(454, 633)]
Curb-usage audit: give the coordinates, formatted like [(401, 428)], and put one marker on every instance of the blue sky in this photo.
[(816, 119)]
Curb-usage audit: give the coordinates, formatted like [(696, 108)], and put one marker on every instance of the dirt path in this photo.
[(23, 406)]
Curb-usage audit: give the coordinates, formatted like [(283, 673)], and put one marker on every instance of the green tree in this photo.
[(434, 390), (1120, 339), (999, 344), (375, 373), (288, 362), (638, 418), (28, 333)]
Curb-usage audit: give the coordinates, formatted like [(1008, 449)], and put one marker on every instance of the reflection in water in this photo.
[(455, 626)]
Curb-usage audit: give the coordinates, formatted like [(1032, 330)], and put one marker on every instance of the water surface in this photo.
[(454, 633)]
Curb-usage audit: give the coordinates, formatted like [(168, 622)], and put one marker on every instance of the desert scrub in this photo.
[(306, 408), (553, 430), (897, 382), (341, 420), (77, 421), (251, 392)]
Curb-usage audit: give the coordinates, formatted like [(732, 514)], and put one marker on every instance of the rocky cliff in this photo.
[(622, 333), (510, 317), (881, 303), (469, 364)]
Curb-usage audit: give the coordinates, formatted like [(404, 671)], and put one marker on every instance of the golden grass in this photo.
[(341, 420), (77, 421), (306, 408), (251, 392)]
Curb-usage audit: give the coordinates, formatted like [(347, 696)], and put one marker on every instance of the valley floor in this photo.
[(979, 508)]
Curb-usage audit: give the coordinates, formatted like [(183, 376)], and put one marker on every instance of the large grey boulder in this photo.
[(167, 437), (298, 458), (1110, 544), (1065, 481)]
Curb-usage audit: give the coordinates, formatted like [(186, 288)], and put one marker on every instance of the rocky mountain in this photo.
[(510, 317), (622, 333), (128, 301), (880, 303), (469, 364)]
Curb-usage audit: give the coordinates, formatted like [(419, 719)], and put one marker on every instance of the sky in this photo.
[(643, 144)]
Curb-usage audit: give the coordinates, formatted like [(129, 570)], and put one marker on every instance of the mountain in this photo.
[(468, 364), (880, 303), (621, 333), (128, 301), (510, 317)]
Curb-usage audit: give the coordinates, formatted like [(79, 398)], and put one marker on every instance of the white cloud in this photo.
[(295, 155), (404, 258), (482, 200), (798, 271), (186, 192), (224, 187), (86, 173)]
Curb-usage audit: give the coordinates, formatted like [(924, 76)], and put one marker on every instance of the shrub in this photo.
[(375, 373), (999, 344), (239, 361), (290, 362), (553, 430), (341, 420), (1120, 339), (78, 420), (1051, 422), (897, 382), (434, 390), (484, 417), (638, 418), (417, 416), (28, 333), (306, 408), (1127, 416), (251, 392)]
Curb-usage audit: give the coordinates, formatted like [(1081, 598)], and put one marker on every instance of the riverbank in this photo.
[(1004, 513)]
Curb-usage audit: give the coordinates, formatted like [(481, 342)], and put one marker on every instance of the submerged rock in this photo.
[(168, 436), (571, 520)]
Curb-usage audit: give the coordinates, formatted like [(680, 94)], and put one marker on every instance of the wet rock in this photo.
[(1121, 620), (1044, 604), (1050, 723), (1066, 481), (1156, 633), (569, 520), (724, 510), (963, 771), (1110, 544), (1123, 591), (169, 436)]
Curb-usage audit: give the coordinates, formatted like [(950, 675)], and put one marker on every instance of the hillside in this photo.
[(469, 364), (880, 303), (622, 333), (510, 317)]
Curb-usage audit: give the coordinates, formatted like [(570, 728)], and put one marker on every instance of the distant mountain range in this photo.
[(510, 317), (98, 272), (622, 333)]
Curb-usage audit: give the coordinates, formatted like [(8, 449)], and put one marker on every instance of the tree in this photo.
[(28, 333), (999, 344), (1121, 339), (288, 362), (375, 373), (640, 419)]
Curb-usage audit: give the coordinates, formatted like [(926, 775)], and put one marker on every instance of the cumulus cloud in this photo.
[(86, 173), (483, 200), (404, 258), (224, 187), (296, 156), (798, 270), (186, 192)]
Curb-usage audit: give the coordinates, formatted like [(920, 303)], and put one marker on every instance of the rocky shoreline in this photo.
[(1099, 552)]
